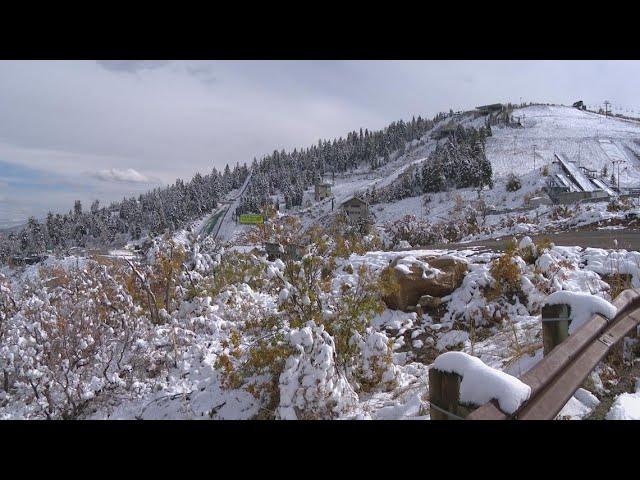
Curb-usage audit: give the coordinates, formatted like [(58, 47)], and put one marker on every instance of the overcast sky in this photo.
[(101, 130)]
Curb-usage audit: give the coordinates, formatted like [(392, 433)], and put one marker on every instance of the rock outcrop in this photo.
[(424, 280)]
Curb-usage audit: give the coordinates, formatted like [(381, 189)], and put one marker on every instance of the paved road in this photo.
[(226, 225), (627, 239)]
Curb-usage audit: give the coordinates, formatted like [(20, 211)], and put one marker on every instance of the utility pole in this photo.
[(619, 175), (579, 151), (607, 108), (614, 162)]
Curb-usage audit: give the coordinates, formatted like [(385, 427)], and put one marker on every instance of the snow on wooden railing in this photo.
[(566, 365), (458, 381)]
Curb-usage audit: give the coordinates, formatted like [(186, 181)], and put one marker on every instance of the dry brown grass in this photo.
[(507, 276)]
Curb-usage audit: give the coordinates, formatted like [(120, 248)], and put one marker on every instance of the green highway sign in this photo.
[(251, 219)]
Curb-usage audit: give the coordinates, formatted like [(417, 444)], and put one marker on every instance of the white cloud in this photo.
[(127, 175)]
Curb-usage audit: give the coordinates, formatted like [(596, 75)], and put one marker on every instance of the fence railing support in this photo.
[(555, 325), (444, 392), (559, 374)]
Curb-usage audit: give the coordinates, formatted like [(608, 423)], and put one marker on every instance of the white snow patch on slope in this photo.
[(626, 407), (481, 383)]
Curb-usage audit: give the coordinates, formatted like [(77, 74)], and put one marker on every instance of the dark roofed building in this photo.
[(356, 209), (580, 105), (322, 190), (444, 131), (494, 107)]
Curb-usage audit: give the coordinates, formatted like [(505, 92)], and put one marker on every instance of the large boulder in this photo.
[(424, 276)]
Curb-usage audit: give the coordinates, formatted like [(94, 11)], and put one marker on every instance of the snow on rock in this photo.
[(404, 265), (394, 319), (451, 339), (583, 307), (579, 405), (481, 383)]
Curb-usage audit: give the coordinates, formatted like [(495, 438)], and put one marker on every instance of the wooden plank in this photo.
[(560, 390), (488, 411)]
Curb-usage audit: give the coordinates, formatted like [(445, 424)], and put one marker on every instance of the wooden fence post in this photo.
[(555, 325), (444, 392)]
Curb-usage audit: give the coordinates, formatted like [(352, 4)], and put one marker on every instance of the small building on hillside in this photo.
[(579, 105), (444, 131), (322, 190), (493, 108), (356, 209)]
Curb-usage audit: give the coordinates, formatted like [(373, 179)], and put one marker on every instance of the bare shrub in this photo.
[(513, 183), (507, 275), (616, 204)]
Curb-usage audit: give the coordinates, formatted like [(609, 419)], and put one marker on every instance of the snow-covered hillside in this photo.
[(199, 323), (230, 348), (589, 139)]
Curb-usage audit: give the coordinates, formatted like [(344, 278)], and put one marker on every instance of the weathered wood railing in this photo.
[(567, 363)]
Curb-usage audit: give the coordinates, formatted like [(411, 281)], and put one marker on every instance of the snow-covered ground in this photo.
[(589, 139), (184, 352), (179, 368)]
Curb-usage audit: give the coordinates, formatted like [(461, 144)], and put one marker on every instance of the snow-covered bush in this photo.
[(229, 269), (410, 229), (513, 183), (153, 284), (311, 384), (479, 302), (527, 250), (258, 353), (376, 368), (562, 211), (284, 230), (75, 338), (8, 308), (256, 363), (619, 205), (7, 302)]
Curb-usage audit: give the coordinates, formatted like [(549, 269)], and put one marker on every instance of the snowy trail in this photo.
[(227, 226)]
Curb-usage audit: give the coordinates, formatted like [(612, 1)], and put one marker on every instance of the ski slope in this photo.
[(580, 178), (588, 139)]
